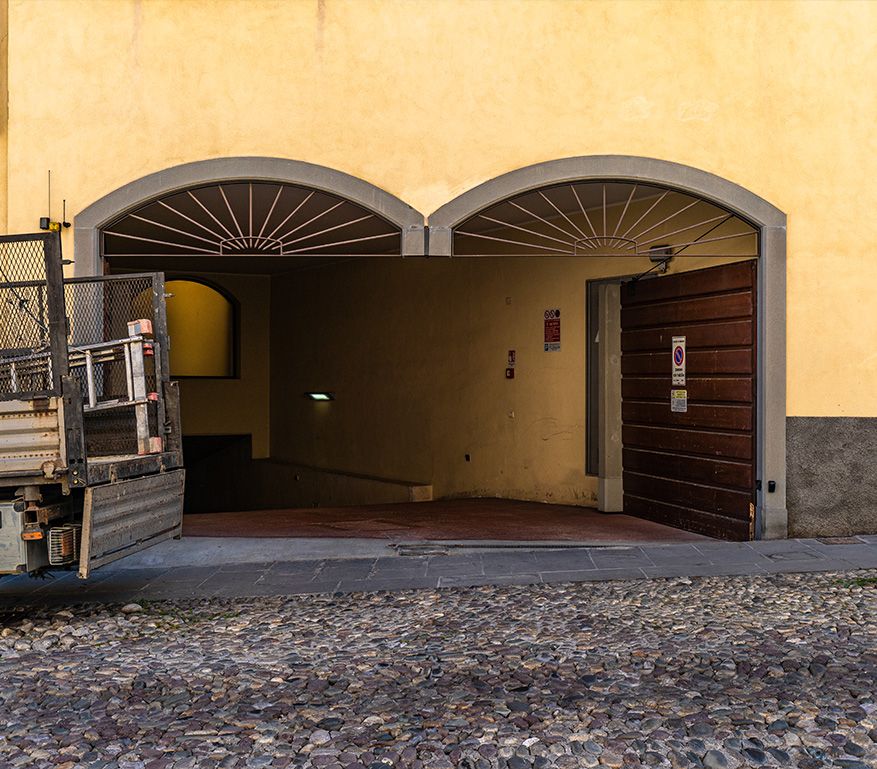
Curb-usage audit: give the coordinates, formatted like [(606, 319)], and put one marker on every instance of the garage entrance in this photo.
[(352, 376), (650, 228)]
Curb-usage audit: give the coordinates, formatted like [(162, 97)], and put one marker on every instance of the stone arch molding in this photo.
[(620, 168), (771, 515), (89, 221)]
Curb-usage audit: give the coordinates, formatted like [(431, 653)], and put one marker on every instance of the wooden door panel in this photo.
[(721, 472), (701, 521), (705, 308), (693, 469), (730, 502), (724, 389), (713, 280), (712, 416), (706, 443), (700, 362), (700, 335)]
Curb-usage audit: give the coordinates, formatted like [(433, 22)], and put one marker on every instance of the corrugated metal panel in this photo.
[(30, 435), (128, 516)]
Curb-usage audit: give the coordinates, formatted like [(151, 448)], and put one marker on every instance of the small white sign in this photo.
[(678, 352), (679, 401)]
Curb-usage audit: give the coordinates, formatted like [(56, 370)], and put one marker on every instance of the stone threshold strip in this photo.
[(462, 568)]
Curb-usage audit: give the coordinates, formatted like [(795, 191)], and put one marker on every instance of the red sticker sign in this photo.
[(552, 330)]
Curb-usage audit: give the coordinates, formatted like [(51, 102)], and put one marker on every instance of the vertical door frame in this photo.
[(603, 389)]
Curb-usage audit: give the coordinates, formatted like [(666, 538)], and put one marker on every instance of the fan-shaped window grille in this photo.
[(202, 328), (606, 219), (254, 219)]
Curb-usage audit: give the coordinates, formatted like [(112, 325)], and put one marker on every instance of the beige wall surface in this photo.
[(4, 103), (236, 406), (426, 99)]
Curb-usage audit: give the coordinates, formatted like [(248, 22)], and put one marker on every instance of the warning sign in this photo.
[(552, 330), (679, 401), (678, 350)]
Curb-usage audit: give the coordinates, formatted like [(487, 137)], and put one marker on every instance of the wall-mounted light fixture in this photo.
[(660, 256), (320, 396)]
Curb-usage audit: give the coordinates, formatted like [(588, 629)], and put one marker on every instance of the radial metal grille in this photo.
[(609, 219), (251, 219)]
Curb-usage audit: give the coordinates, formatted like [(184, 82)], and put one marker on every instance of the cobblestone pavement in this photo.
[(766, 670)]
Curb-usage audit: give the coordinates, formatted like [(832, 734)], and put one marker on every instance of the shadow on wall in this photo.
[(222, 476)]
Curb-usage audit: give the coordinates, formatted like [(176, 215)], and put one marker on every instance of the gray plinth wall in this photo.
[(831, 475)]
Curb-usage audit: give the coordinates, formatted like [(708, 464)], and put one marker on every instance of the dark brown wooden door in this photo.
[(693, 469)]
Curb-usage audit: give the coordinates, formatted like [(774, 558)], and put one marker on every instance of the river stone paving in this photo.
[(771, 670)]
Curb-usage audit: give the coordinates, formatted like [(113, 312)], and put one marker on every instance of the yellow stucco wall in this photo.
[(416, 352), (238, 406), (201, 323), (426, 99), (4, 96)]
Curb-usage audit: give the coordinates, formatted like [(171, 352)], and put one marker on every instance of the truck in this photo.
[(91, 464)]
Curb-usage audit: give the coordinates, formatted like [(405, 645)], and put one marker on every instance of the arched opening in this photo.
[(202, 323), (235, 237), (463, 378), (651, 247)]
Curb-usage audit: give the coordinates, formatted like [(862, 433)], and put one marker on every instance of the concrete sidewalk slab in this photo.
[(208, 551), (467, 568)]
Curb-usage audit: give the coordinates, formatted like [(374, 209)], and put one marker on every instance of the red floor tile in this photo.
[(462, 519)]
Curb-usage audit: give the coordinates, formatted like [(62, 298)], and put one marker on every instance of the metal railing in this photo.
[(133, 352), (26, 373)]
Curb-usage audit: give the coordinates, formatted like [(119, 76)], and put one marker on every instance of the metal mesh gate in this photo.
[(30, 316), (23, 258), (24, 339), (99, 310)]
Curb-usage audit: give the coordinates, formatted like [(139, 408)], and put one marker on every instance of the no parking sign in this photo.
[(678, 349)]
